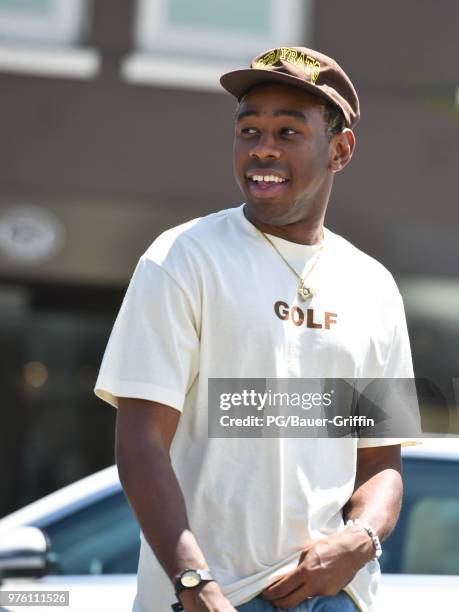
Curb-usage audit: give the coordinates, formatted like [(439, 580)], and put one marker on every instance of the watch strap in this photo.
[(204, 574)]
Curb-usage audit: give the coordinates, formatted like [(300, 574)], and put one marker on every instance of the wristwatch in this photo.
[(192, 578)]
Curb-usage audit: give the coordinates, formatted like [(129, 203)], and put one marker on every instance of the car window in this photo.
[(426, 539), (102, 538)]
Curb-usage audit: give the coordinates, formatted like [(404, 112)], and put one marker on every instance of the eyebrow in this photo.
[(277, 113)]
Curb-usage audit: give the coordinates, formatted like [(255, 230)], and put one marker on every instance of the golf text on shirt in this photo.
[(297, 316)]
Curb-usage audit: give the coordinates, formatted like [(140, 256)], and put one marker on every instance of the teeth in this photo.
[(268, 179)]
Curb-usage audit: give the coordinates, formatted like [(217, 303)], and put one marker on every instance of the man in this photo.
[(260, 291)]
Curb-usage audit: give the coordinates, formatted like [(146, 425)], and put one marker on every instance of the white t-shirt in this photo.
[(200, 305)]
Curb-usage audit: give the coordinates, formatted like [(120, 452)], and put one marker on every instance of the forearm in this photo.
[(377, 498), (154, 493)]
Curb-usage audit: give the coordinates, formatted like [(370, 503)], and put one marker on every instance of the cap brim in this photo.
[(239, 82)]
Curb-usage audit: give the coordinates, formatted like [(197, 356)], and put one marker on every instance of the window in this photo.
[(102, 538), (426, 538), (191, 43), (47, 385), (42, 21), (432, 537), (43, 36)]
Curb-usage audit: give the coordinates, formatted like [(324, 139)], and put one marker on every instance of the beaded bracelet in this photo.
[(371, 532)]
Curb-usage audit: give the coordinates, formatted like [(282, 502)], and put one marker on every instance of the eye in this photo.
[(249, 131), (287, 131)]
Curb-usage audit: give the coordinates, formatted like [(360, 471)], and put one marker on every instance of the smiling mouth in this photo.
[(266, 185)]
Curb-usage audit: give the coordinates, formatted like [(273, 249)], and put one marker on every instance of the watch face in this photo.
[(190, 579)]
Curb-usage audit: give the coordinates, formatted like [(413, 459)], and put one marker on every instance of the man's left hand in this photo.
[(324, 568)]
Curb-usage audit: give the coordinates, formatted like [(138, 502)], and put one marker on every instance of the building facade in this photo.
[(114, 128)]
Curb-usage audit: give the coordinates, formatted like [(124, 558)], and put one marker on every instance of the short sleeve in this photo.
[(398, 364), (153, 349)]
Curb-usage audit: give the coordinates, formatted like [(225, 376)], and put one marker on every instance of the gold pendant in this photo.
[(304, 292)]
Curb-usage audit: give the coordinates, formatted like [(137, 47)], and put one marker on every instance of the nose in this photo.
[(264, 148)]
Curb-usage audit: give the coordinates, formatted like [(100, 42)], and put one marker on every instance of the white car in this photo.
[(420, 562), (86, 541)]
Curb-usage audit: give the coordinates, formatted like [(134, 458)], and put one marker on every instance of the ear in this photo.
[(341, 149)]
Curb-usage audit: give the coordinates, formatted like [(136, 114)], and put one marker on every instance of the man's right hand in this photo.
[(206, 598)]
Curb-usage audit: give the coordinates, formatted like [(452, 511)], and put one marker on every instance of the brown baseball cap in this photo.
[(305, 68)]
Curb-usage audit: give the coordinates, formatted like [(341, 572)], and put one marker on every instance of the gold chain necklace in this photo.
[(303, 292)]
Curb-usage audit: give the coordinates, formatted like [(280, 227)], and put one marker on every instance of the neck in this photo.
[(309, 231)]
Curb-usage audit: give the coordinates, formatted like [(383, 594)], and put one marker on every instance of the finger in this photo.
[(293, 599), (286, 585), (276, 580), (303, 554)]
